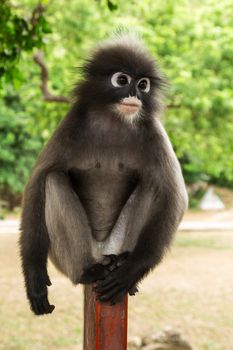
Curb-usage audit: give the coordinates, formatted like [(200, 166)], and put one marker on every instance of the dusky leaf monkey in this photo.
[(107, 193)]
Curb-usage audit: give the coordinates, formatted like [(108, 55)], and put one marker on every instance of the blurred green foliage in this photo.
[(17, 155), (192, 42), (18, 32)]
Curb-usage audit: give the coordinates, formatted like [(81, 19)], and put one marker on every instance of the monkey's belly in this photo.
[(103, 196)]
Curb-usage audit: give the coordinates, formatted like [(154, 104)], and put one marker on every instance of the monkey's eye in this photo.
[(120, 79), (144, 84)]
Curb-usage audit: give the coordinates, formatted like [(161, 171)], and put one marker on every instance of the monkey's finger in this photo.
[(123, 256), (115, 285), (42, 306), (48, 309), (34, 307), (38, 306), (110, 295), (106, 273), (107, 283), (111, 256), (118, 298), (132, 289), (47, 279), (106, 288), (48, 282), (112, 267), (106, 280)]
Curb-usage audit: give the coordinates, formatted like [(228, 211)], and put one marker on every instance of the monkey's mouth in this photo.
[(129, 105)]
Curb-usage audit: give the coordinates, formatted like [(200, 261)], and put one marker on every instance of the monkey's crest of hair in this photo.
[(128, 46), (129, 40)]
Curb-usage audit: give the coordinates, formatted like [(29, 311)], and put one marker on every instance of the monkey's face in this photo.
[(124, 78), (130, 92)]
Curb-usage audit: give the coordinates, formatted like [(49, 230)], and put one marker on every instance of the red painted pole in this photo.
[(105, 325)]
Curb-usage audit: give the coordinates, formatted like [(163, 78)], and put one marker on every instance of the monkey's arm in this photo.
[(34, 244), (158, 207)]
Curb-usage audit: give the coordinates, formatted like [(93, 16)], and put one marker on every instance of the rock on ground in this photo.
[(168, 339)]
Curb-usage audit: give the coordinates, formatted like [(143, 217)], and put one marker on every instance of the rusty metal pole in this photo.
[(105, 326)]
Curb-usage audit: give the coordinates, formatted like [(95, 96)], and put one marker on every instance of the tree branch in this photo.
[(39, 59), (37, 12), (173, 105)]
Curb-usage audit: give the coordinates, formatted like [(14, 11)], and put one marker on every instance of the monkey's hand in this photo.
[(37, 293), (93, 273), (120, 282), (99, 271)]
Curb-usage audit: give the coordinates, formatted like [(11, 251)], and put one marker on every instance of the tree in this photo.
[(192, 41), (18, 33)]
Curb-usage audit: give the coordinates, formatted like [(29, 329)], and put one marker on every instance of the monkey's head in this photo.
[(122, 77)]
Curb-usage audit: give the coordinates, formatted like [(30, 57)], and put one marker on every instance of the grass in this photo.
[(212, 241), (192, 291)]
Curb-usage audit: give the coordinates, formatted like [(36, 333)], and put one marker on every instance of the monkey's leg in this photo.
[(154, 218), (109, 249), (124, 279), (68, 228)]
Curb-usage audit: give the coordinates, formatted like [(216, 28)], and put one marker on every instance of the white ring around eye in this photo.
[(116, 76), (147, 89)]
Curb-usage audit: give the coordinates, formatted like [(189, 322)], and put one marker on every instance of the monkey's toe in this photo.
[(99, 271), (116, 260), (109, 259)]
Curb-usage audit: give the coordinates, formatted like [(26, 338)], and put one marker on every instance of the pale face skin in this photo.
[(129, 107)]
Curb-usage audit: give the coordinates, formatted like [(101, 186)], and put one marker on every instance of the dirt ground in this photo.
[(192, 291), (211, 216)]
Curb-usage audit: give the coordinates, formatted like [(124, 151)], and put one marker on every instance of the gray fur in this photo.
[(67, 226)]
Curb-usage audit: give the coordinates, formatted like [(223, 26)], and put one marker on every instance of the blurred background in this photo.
[(42, 44)]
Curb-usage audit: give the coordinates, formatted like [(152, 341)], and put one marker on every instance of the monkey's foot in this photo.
[(116, 261), (120, 282), (93, 273)]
